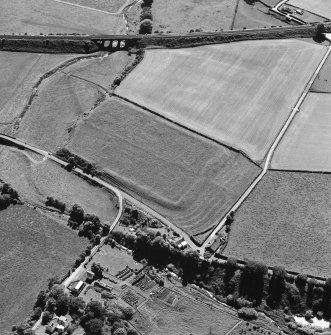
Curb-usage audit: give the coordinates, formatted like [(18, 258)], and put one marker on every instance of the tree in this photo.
[(127, 313), (120, 331), (76, 306), (277, 285), (132, 331), (47, 317), (62, 305), (95, 309), (97, 270), (41, 300), (36, 314), (146, 27), (94, 327), (77, 214), (320, 30)]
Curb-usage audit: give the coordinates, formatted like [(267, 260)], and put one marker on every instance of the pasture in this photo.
[(182, 16), (285, 221), (188, 179), (306, 144), (188, 316), (35, 179), (18, 74), (34, 248), (254, 16), (239, 94), (68, 96), (39, 16), (319, 7)]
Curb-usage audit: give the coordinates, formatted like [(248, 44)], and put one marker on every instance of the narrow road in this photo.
[(270, 152)]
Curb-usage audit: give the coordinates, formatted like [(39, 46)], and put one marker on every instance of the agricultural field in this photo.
[(319, 7), (322, 83), (19, 73), (306, 144), (68, 96), (285, 221), (34, 249), (111, 6), (254, 16), (38, 16), (220, 98), (187, 317), (182, 16), (35, 179), (186, 178)]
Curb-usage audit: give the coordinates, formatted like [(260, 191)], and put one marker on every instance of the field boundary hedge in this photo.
[(44, 45)]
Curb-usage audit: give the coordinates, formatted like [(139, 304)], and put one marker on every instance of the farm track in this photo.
[(271, 151)]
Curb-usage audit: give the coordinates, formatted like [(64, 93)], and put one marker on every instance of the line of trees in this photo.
[(146, 17), (51, 202)]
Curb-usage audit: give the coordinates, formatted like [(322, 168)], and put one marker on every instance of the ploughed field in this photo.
[(68, 96), (35, 179), (190, 180), (182, 16), (306, 144), (34, 248), (319, 7), (286, 221), (50, 16), (239, 94), (19, 72)]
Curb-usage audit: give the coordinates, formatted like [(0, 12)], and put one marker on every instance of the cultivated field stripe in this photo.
[(88, 8), (271, 150)]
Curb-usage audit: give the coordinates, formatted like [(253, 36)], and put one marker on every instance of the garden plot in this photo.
[(286, 221), (46, 16), (188, 179), (306, 144), (239, 93), (187, 316)]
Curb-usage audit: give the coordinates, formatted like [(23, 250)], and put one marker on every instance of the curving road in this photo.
[(271, 151), (121, 195)]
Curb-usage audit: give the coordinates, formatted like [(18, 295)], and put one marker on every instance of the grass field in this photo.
[(33, 249), (306, 144), (320, 7), (285, 221), (63, 100), (47, 16), (186, 317), (322, 82), (239, 93), (35, 179), (115, 259), (190, 180), (254, 16), (18, 73), (111, 6), (182, 16)]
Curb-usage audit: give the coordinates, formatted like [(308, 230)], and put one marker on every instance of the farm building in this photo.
[(58, 324), (78, 288)]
